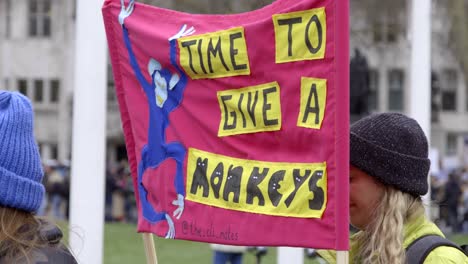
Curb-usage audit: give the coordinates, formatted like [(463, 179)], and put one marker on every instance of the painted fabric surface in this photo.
[(236, 126)]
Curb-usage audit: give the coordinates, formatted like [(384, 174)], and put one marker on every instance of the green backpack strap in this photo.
[(417, 251)]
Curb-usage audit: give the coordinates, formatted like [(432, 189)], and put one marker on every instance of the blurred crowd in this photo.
[(449, 199), (120, 205), (57, 184)]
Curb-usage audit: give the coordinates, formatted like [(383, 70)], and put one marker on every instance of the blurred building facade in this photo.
[(37, 59), (384, 37)]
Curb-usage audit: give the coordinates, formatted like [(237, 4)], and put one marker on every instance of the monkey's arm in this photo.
[(133, 62), (180, 86)]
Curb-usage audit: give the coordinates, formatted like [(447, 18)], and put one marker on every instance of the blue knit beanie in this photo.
[(20, 164)]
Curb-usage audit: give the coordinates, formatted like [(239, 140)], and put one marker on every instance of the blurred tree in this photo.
[(159, 3), (256, 4), (210, 6), (378, 21), (458, 42)]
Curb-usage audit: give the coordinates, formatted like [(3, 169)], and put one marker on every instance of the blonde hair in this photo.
[(19, 234), (382, 240)]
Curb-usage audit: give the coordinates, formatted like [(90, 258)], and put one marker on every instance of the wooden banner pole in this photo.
[(150, 249), (342, 257)]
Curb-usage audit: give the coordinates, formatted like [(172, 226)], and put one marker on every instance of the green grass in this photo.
[(122, 245), (460, 239)]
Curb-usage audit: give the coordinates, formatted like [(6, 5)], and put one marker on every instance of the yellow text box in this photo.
[(300, 35), (269, 188), (313, 102), (250, 109), (214, 55)]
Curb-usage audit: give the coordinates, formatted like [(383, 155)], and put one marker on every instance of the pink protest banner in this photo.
[(237, 125)]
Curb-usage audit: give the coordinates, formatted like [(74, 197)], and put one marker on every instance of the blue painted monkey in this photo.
[(164, 94)]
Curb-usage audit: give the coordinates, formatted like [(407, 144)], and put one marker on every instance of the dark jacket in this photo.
[(53, 251), (453, 192)]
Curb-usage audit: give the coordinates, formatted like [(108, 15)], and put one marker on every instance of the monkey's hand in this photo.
[(171, 232), (180, 203), (183, 32), (125, 11)]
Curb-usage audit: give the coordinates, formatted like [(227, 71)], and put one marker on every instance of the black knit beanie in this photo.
[(392, 148)]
